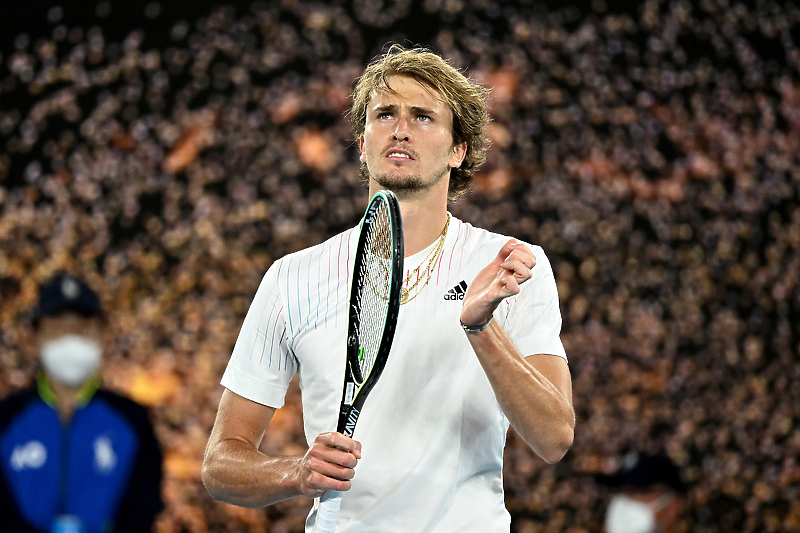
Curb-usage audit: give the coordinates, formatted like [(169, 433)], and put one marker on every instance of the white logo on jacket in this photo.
[(32, 454), (104, 457)]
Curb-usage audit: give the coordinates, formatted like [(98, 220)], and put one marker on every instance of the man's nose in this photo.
[(401, 130)]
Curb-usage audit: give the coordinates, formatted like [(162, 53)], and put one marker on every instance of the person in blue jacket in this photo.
[(73, 456)]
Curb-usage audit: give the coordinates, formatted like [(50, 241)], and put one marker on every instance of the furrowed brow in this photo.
[(418, 110), (386, 108)]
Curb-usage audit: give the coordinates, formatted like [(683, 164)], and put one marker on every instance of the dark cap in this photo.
[(641, 470), (66, 293)]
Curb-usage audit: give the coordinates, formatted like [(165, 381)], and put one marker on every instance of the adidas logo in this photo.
[(457, 292)]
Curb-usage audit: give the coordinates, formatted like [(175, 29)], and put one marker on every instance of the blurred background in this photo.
[(170, 151)]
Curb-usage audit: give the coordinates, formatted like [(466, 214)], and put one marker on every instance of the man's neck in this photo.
[(424, 216), (65, 399)]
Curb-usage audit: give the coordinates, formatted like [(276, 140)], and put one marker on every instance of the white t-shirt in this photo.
[(432, 431)]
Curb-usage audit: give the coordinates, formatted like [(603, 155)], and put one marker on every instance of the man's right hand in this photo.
[(329, 464), (235, 471)]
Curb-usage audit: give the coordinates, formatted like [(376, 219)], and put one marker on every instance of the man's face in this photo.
[(407, 143)]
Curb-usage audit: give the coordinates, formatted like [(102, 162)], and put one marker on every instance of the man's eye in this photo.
[(424, 118)]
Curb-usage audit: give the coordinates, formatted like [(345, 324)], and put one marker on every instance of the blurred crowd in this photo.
[(653, 153)]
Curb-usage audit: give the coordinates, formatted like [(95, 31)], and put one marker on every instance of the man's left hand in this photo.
[(499, 280)]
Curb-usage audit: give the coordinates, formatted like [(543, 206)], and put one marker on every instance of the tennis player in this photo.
[(477, 344)]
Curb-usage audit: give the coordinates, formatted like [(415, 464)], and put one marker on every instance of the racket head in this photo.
[(374, 296)]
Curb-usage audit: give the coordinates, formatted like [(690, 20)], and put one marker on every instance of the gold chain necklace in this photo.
[(432, 259)]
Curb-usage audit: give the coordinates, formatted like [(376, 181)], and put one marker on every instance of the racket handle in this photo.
[(328, 511)]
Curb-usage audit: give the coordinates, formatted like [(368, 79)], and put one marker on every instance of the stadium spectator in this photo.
[(647, 495), (75, 457)]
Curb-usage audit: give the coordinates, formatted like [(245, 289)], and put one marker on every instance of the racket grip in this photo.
[(328, 511)]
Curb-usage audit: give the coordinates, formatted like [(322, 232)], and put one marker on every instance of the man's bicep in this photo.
[(241, 419)]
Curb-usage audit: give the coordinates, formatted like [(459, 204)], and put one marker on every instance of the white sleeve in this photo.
[(262, 364), (532, 318)]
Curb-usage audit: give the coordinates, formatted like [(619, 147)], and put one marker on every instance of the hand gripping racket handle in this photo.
[(328, 511)]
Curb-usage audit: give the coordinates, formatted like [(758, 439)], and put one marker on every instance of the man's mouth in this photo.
[(395, 153)]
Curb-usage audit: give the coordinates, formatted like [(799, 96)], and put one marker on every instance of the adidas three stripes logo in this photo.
[(457, 292)]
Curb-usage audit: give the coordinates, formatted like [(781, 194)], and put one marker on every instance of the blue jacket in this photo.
[(104, 466)]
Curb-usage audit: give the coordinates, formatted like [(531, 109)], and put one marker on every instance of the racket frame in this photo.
[(355, 391)]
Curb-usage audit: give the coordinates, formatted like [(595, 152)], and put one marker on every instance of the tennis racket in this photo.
[(374, 306)]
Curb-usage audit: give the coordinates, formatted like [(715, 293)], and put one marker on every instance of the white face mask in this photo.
[(626, 515), (71, 359)]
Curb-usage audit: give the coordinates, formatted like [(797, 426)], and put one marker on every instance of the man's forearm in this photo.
[(234, 472), (538, 410)]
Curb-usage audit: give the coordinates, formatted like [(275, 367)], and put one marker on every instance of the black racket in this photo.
[(374, 306)]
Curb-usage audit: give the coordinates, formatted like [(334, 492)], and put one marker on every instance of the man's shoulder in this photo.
[(16, 402), (134, 412), (314, 259), (19, 396), (338, 242), (481, 237)]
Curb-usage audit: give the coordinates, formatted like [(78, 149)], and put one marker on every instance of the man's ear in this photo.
[(458, 155), (362, 157)]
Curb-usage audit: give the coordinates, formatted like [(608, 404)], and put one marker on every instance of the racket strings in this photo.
[(374, 302), (379, 245)]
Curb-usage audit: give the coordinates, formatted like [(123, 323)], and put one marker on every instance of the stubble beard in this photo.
[(405, 184)]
